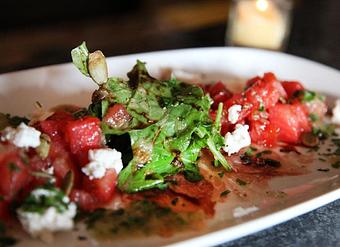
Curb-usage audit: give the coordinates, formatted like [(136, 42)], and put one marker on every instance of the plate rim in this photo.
[(156, 52), (262, 222)]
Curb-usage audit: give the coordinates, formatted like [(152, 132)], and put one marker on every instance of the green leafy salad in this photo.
[(168, 125)]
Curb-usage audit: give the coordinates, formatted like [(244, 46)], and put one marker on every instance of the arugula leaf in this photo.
[(145, 103), (167, 147), (180, 128), (215, 141), (169, 126), (80, 56), (120, 90), (138, 74), (152, 157), (189, 158)]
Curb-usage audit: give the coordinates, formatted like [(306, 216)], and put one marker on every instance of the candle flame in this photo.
[(262, 5)]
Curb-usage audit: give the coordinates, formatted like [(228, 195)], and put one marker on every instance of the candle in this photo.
[(257, 23)]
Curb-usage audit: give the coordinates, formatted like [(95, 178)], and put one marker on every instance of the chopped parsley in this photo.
[(305, 95), (278, 194), (324, 132), (221, 174), (241, 182), (13, 167), (308, 96), (261, 108), (139, 217), (93, 217), (323, 170), (336, 141), (82, 238), (250, 151), (336, 165), (272, 162), (313, 117), (337, 151), (174, 201), (264, 152), (258, 161), (225, 193), (44, 197)]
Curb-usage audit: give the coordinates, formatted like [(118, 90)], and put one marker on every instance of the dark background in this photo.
[(40, 32)]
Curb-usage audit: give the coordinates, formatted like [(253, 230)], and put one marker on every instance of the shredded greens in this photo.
[(169, 126), (80, 58), (49, 197)]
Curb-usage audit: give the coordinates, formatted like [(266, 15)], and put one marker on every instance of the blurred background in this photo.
[(36, 33)]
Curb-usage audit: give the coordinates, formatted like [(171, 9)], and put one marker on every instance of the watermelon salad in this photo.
[(142, 140)]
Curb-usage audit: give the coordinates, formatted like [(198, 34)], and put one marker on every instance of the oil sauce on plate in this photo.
[(257, 185)]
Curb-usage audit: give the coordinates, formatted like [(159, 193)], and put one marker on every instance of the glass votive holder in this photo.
[(259, 23)]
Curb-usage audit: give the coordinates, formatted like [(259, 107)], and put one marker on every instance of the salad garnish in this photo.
[(168, 123)]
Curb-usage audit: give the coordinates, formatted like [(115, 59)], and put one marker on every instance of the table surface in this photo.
[(315, 35)]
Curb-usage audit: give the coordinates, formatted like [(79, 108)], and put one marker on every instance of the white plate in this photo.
[(63, 84)]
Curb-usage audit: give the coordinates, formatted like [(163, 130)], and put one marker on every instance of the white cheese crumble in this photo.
[(50, 220), (239, 211), (234, 113), (336, 112), (101, 160), (43, 192), (49, 170), (240, 138), (23, 136)]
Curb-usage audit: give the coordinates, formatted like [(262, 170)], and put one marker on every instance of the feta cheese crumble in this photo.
[(49, 170), (239, 211), (40, 220), (101, 160), (234, 113), (49, 221), (336, 112), (240, 138), (23, 136), (40, 192)]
